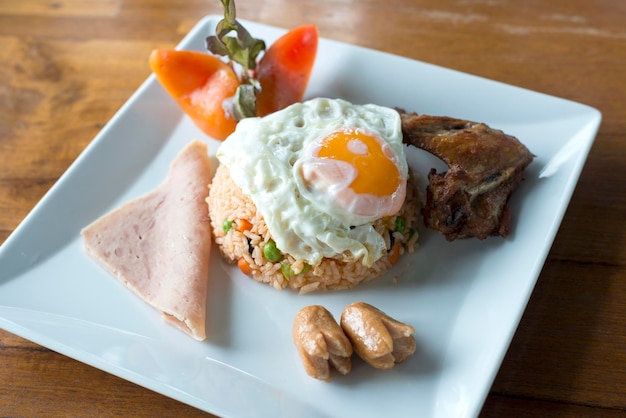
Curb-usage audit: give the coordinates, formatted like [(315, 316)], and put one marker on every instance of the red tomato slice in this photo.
[(199, 83), (284, 70)]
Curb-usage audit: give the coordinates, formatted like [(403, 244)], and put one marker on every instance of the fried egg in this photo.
[(320, 172)]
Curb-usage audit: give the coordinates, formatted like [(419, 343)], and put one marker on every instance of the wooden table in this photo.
[(68, 65)]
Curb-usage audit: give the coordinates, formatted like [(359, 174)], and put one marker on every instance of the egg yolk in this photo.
[(356, 173), (376, 173)]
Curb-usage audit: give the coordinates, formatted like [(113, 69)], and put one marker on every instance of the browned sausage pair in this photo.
[(378, 339)]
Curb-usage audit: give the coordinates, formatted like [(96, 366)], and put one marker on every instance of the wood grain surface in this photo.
[(68, 65)]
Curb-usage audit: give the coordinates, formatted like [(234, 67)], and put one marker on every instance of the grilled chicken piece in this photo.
[(321, 342), (378, 339), (485, 167)]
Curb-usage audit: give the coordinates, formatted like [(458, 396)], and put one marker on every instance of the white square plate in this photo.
[(464, 298)]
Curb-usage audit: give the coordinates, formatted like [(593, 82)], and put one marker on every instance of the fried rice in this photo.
[(241, 234)]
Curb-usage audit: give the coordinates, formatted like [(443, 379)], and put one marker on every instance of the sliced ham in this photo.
[(158, 245)]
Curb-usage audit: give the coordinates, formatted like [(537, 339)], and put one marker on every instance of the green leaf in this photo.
[(243, 104), (242, 48), (216, 46)]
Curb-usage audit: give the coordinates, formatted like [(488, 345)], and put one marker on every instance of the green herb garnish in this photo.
[(242, 49)]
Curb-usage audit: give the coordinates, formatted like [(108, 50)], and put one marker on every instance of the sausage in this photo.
[(378, 339), (321, 342)]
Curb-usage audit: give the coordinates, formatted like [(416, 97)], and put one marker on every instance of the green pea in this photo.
[(226, 225), (272, 253), (288, 271), (400, 224), (306, 268)]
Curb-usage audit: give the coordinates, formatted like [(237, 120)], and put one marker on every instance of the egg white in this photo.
[(265, 155)]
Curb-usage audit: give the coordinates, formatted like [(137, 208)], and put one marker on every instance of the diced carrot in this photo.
[(244, 266), (243, 225), (394, 254)]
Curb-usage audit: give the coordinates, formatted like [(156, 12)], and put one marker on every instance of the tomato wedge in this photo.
[(284, 70), (199, 83)]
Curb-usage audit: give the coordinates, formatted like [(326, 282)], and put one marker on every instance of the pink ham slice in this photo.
[(158, 245)]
